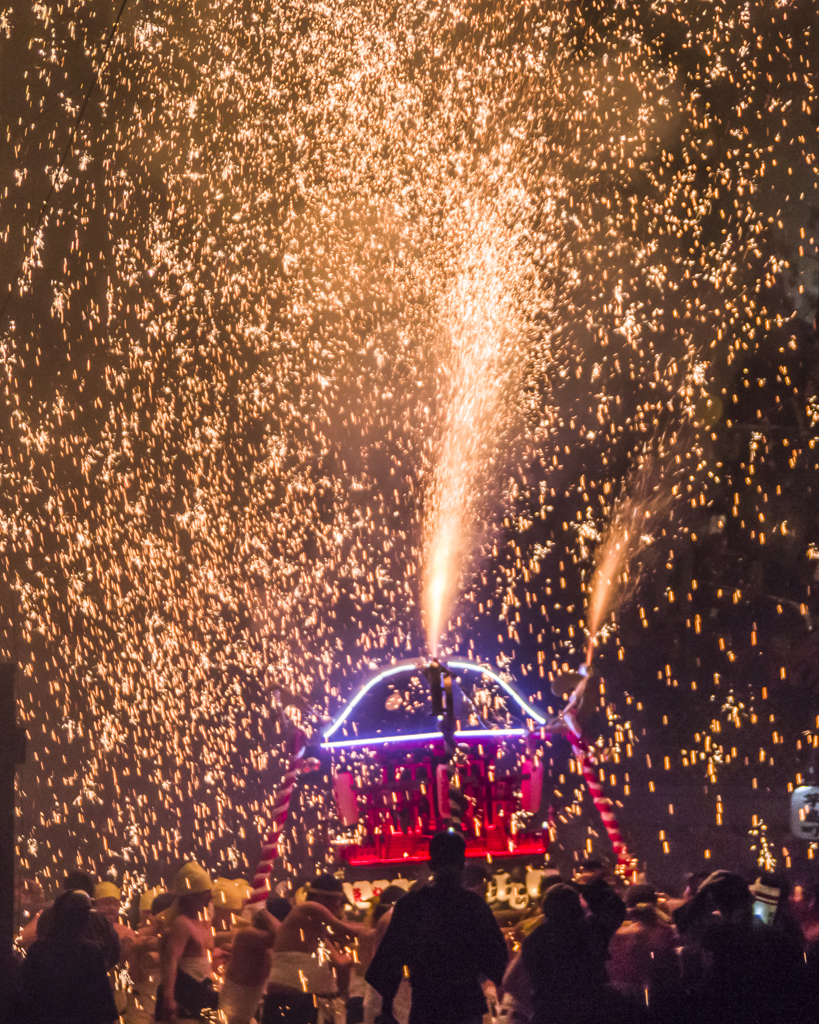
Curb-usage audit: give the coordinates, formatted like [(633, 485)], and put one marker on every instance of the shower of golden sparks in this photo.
[(319, 287), (481, 362), (638, 516)]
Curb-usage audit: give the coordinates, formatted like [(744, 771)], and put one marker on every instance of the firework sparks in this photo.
[(482, 365), (638, 516), (319, 288)]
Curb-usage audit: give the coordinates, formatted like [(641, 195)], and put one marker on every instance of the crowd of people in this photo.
[(593, 950)]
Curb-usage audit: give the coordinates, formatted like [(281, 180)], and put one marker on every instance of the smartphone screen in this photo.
[(764, 911)]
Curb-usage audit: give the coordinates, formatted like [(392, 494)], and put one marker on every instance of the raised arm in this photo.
[(319, 914)]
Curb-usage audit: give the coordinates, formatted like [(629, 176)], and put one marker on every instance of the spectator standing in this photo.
[(750, 972), (642, 960), (533, 917), (98, 929), (448, 939), (564, 965), (9, 970), (64, 978)]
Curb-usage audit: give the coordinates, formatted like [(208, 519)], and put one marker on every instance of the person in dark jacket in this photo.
[(64, 979), (564, 960), (98, 929), (448, 939), (751, 973), (9, 969)]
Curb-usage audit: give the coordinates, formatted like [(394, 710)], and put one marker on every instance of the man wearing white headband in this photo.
[(305, 953)]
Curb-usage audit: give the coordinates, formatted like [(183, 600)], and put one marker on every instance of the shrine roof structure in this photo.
[(393, 705)]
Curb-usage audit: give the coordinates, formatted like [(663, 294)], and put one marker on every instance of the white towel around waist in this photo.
[(196, 967), (302, 971), (240, 1002)]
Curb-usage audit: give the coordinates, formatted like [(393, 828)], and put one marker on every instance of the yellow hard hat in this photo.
[(244, 887), (147, 898), (106, 891), (191, 878), (226, 895)]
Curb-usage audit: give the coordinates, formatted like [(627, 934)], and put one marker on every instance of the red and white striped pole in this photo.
[(602, 803), (574, 732), (281, 810)]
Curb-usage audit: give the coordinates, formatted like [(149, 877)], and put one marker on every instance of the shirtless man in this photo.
[(186, 951), (301, 972), (250, 959), (246, 975)]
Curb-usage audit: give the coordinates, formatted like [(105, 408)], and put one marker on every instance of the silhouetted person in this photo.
[(564, 960), (750, 972), (448, 939), (98, 929), (9, 970), (643, 962), (64, 979)]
